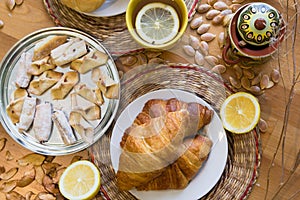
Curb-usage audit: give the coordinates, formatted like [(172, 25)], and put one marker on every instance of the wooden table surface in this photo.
[(32, 16)]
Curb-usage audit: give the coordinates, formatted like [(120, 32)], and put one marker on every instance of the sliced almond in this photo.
[(8, 156), (46, 196), (75, 159), (8, 186), (58, 175), (2, 143), (32, 158), (49, 158), (13, 195), (28, 195), (49, 185), (27, 178), (2, 169), (39, 174), (9, 174), (50, 168), (19, 2)]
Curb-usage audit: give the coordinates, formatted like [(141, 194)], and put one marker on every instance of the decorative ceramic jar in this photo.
[(254, 34)]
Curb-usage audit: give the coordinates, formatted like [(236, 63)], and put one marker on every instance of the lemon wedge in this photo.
[(157, 23), (240, 112), (80, 180)]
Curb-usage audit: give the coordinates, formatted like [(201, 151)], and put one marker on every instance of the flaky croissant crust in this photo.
[(155, 140)]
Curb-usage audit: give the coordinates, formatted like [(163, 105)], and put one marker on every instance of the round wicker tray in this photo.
[(244, 151), (244, 155)]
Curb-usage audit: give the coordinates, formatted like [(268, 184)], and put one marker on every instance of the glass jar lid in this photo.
[(258, 24)]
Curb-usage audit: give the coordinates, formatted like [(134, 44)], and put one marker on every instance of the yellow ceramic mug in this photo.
[(135, 5)]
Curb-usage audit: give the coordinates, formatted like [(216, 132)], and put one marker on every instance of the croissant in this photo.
[(180, 173), (155, 138)]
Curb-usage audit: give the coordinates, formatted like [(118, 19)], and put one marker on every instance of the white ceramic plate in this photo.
[(211, 170), (110, 8)]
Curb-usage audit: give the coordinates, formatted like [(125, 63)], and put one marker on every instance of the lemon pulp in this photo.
[(80, 180), (240, 112), (157, 23)]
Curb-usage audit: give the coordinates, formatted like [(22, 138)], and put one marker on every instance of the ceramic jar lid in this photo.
[(258, 23)]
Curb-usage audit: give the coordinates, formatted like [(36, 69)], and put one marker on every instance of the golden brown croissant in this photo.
[(180, 173), (153, 141)]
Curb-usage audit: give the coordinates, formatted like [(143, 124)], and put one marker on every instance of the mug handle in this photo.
[(224, 54)]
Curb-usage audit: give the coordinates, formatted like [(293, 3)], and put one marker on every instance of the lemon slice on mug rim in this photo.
[(80, 180), (240, 112), (157, 23)]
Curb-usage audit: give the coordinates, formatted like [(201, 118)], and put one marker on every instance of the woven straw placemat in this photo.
[(244, 153), (111, 31)]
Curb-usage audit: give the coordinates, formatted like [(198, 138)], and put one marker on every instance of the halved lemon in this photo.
[(157, 23), (80, 180), (240, 112)]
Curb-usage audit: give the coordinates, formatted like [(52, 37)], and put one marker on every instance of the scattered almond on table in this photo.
[(210, 15), (42, 171), (1, 24)]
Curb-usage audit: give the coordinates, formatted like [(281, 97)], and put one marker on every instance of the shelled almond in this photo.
[(211, 15)]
